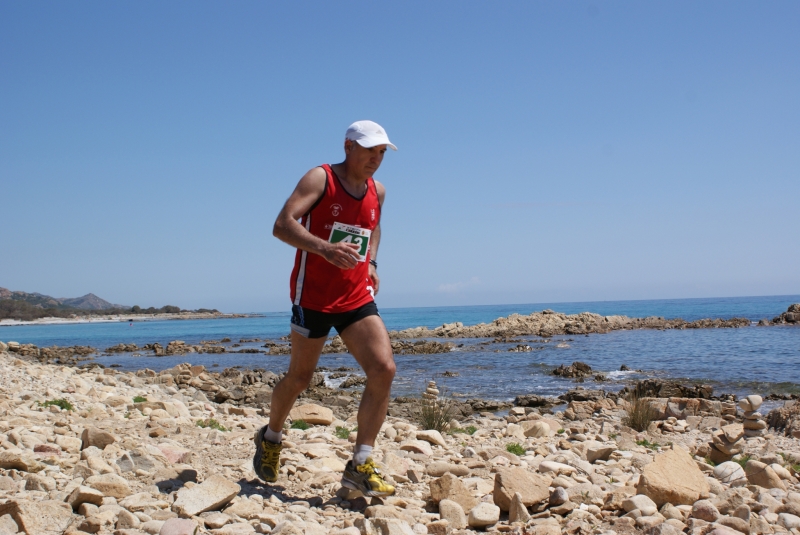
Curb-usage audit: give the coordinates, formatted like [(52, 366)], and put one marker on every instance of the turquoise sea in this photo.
[(747, 360)]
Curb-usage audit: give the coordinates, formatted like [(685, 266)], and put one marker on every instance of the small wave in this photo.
[(617, 374), (333, 383)]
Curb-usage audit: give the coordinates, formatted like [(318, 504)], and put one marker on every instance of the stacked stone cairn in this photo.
[(754, 424), (728, 411), (729, 440), (431, 395), (726, 442)]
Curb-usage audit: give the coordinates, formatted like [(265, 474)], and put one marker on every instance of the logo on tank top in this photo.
[(372, 214), (336, 209)]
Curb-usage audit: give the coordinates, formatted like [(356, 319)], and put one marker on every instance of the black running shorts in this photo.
[(313, 324)]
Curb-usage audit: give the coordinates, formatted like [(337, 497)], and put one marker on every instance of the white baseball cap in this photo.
[(368, 134)]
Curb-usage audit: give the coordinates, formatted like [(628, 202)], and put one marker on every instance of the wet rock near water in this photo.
[(790, 317), (532, 400), (576, 370), (72, 355), (660, 388), (421, 347), (785, 419), (548, 323)]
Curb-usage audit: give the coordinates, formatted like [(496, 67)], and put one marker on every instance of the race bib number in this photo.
[(349, 234)]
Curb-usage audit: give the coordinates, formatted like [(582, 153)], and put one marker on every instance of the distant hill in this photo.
[(87, 302), (30, 306)]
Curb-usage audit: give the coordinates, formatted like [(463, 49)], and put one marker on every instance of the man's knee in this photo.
[(298, 381), (382, 371)]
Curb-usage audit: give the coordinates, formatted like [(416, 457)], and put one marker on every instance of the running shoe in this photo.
[(267, 460), (366, 478)]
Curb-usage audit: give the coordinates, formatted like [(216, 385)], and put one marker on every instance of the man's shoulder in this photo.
[(315, 177), (380, 189), (318, 171)]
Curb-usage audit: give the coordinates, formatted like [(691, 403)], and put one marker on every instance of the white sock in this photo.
[(273, 436), (361, 453)]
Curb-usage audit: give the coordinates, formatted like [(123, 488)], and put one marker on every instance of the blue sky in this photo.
[(549, 151)]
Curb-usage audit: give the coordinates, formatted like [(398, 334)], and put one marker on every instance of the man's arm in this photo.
[(289, 230), (375, 240)]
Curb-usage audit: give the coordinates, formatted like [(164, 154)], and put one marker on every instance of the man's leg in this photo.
[(368, 342), (305, 354)]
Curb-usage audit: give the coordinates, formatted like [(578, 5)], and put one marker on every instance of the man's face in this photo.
[(362, 159)]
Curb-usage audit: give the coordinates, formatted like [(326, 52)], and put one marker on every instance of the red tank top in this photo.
[(317, 284)]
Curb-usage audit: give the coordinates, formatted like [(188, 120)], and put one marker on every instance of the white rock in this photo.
[(417, 446), (312, 413), (536, 429), (484, 514), (782, 472), (641, 502), (789, 521), (453, 513), (211, 494), (553, 467), (729, 471), (153, 527), (392, 526), (750, 403), (515, 431), (432, 436)]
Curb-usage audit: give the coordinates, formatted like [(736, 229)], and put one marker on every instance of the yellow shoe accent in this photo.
[(366, 478), (267, 460)]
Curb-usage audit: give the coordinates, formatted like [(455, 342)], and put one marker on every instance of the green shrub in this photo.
[(639, 414), (561, 431), (743, 460), (211, 423), (62, 404), (647, 444), (299, 424), (342, 432), (515, 448), (139, 399), (469, 430), (709, 461)]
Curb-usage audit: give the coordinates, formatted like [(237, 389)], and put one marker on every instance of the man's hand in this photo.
[(376, 281), (342, 255)]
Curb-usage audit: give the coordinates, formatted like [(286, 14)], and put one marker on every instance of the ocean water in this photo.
[(741, 361)]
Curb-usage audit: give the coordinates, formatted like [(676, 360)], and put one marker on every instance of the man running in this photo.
[(333, 283)]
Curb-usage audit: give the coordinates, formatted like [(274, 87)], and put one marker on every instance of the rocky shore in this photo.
[(416, 340), (92, 450), (548, 323), (105, 318)]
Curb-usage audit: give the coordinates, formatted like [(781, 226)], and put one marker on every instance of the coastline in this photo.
[(121, 318), (512, 355)]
